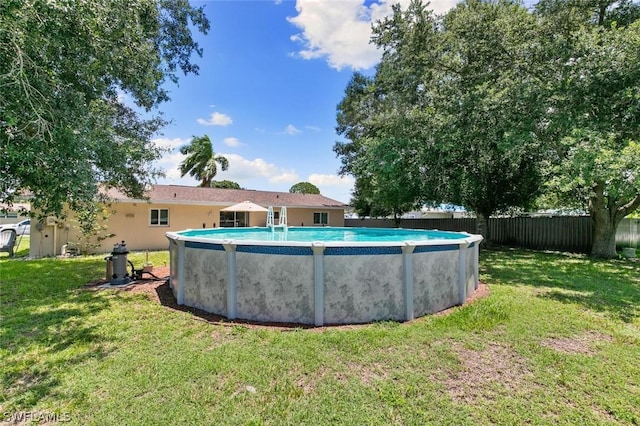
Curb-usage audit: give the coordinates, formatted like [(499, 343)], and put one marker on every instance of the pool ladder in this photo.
[(282, 220)]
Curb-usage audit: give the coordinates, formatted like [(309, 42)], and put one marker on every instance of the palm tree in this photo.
[(201, 160)]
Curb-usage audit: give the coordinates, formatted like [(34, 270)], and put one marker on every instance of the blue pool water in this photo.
[(309, 234)]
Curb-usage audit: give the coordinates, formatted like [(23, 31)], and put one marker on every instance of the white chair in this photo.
[(7, 241)]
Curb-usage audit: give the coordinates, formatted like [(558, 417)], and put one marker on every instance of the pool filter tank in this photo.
[(119, 262)]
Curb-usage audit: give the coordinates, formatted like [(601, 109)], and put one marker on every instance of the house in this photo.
[(142, 224)]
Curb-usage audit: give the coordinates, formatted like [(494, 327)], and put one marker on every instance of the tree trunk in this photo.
[(482, 228), (604, 235), (606, 215), (604, 223), (396, 220)]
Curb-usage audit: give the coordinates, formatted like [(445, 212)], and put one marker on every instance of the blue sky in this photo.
[(271, 76)]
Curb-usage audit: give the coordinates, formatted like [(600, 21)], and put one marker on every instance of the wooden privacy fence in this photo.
[(563, 233), (628, 233)]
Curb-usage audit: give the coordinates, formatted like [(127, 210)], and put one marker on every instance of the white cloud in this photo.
[(232, 142), (285, 177), (216, 119), (169, 163), (330, 180), (258, 174), (291, 130), (314, 128), (333, 186), (252, 174), (123, 97), (170, 144), (340, 30)]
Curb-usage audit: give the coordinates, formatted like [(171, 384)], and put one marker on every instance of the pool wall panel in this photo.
[(434, 273), (470, 270), (206, 271), (173, 267), (275, 287), (363, 288)]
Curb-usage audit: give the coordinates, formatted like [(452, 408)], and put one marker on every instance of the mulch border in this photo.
[(159, 291)]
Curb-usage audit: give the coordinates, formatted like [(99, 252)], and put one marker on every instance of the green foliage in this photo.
[(93, 227), (226, 184), (591, 159), (491, 104), (65, 68), (304, 188), (393, 182), (447, 116), (593, 110), (201, 161)]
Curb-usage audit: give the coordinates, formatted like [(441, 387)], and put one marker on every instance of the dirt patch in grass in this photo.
[(25, 382), (585, 344), (368, 374), (307, 383), (492, 372), (158, 290)]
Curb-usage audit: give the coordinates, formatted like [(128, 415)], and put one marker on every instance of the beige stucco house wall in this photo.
[(132, 221)]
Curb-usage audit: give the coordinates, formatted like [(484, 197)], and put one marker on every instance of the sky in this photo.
[(271, 76)]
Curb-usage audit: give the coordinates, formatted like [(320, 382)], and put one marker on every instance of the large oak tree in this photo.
[(65, 67), (484, 105), (446, 117), (593, 109)]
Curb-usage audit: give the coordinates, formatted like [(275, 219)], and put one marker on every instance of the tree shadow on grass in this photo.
[(30, 377), (608, 286), (46, 326), (625, 310)]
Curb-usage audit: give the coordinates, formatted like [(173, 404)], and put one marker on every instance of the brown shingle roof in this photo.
[(218, 196)]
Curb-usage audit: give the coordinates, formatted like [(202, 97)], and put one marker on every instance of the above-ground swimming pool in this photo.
[(322, 276)]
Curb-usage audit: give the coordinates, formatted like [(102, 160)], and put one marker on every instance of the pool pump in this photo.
[(118, 260)]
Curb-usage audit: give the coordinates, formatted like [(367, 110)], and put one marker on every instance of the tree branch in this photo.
[(628, 208)]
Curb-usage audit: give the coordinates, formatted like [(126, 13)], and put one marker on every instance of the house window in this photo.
[(234, 219), (320, 218), (159, 217)]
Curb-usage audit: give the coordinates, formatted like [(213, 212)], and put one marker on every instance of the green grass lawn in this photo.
[(22, 247), (557, 341)]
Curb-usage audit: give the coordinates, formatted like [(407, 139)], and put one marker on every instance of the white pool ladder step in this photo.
[(270, 221), (282, 220)]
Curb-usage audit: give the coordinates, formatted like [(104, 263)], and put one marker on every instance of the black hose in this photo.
[(135, 276), (157, 278)]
